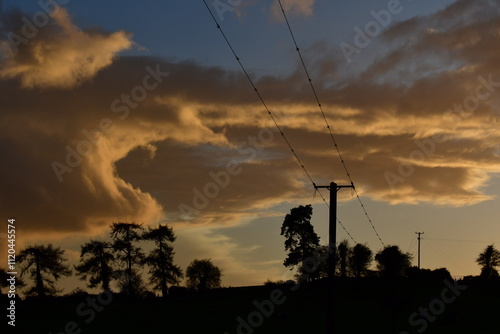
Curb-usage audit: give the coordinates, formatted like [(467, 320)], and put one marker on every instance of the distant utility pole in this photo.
[(332, 259), (419, 238)]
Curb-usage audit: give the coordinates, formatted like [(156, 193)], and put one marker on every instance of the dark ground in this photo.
[(363, 306)]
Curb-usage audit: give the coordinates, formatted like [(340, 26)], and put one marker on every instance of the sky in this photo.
[(139, 112)]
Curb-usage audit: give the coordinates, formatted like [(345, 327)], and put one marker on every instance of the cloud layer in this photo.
[(147, 140)]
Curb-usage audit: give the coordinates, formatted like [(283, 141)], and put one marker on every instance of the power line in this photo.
[(278, 127), (326, 122), (457, 240), (260, 96), (411, 244), (443, 254), (350, 236)]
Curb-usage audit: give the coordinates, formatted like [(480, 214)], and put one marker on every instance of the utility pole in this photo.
[(332, 250), (419, 238)]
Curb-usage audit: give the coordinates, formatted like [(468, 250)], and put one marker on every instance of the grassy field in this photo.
[(362, 306)]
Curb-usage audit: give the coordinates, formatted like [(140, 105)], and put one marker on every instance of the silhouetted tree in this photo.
[(96, 258), (489, 259), (416, 273), (360, 259), (440, 274), (133, 284), (343, 254), (301, 240), (314, 267), (392, 262), (321, 261), (45, 265), (160, 260), (5, 284), (124, 236), (202, 275), (437, 275)]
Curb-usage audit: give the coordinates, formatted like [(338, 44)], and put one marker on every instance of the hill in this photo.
[(368, 305)]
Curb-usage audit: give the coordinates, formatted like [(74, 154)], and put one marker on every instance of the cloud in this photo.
[(238, 263), (66, 132), (198, 141), (57, 54), (293, 7)]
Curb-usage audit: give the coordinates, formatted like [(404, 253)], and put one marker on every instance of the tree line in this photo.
[(305, 254), (119, 260)]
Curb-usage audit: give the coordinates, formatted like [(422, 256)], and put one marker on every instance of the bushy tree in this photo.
[(343, 254), (301, 240), (321, 261), (45, 265), (360, 259), (437, 275), (129, 256), (203, 275), (132, 284), (160, 260), (96, 263), (392, 262), (315, 267), (489, 260)]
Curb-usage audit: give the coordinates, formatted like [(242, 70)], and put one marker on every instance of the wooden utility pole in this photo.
[(419, 238), (332, 250)]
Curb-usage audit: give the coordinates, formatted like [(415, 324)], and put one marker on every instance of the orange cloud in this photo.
[(58, 54), (295, 7)]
